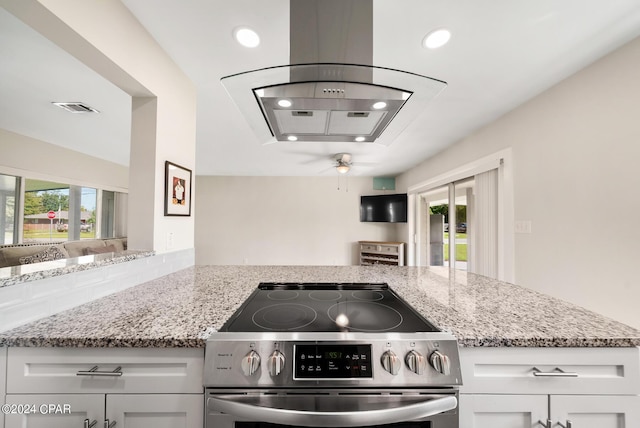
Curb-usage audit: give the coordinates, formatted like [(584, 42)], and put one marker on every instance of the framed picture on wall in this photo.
[(177, 190)]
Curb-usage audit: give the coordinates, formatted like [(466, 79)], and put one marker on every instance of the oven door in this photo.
[(353, 409)]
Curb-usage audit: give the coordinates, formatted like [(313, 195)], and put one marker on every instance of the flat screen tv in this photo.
[(384, 208)]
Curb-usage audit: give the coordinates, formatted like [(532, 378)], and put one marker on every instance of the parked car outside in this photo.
[(461, 228), (62, 227)]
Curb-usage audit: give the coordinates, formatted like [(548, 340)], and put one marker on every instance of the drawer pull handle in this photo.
[(557, 372), (568, 425), (93, 371), (91, 424), (546, 424), (108, 424)]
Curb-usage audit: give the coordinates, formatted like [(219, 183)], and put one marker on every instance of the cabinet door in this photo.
[(55, 411), (596, 411), (3, 379), (502, 411), (156, 410)]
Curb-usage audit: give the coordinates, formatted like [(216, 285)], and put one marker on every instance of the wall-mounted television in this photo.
[(384, 208)]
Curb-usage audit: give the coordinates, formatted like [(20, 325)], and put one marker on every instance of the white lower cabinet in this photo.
[(67, 410), (157, 411), (527, 411), (550, 387), (596, 411), (3, 380), (502, 411), (114, 410), (104, 388)]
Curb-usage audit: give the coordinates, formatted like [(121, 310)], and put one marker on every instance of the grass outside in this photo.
[(55, 235), (461, 249), (461, 252)]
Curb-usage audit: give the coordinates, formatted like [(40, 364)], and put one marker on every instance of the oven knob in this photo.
[(440, 362), (250, 363), (275, 363), (390, 362), (416, 362)]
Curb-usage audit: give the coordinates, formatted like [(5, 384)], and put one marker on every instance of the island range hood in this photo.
[(330, 90)]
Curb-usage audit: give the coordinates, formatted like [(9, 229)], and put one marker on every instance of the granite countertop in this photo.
[(31, 272), (183, 308)]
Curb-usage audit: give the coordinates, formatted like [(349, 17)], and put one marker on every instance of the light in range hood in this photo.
[(330, 102)]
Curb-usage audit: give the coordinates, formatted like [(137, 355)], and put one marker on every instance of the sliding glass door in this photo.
[(458, 224)]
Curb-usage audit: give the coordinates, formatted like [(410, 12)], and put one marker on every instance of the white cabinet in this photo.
[(532, 387), (3, 380), (381, 253), (596, 411), (526, 411), (502, 411), (131, 387), (67, 410), (158, 411)]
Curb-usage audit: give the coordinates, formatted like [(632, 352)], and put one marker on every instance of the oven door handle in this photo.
[(274, 410)]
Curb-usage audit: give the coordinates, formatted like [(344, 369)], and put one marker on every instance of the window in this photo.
[(57, 212), (9, 191)]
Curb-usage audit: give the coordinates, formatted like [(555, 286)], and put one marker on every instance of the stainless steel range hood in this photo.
[(331, 91)]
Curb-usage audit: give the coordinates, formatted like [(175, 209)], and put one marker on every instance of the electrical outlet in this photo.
[(523, 226)]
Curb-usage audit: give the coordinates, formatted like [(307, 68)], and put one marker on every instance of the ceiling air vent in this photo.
[(76, 107)]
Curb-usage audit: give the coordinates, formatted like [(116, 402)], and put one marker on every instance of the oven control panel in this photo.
[(335, 361), (242, 360)]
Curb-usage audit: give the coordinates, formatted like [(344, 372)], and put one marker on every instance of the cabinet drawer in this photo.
[(368, 247), (550, 370), (68, 370), (388, 249)]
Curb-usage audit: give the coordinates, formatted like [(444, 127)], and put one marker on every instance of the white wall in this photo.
[(164, 102), (576, 150), (282, 220), (27, 157)]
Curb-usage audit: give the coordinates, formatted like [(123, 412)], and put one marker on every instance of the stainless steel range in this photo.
[(339, 355)]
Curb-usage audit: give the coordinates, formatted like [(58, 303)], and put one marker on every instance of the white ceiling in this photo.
[(502, 53)]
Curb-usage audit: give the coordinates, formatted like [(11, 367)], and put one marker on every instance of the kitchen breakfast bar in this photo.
[(525, 357)]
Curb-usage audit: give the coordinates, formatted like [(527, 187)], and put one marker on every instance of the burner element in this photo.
[(283, 295), (365, 316), (325, 295), (284, 316), (368, 295)]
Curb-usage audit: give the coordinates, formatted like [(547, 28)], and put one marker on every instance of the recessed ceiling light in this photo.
[(379, 105), (436, 38), (284, 103), (292, 138), (246, 37), (360, 139)]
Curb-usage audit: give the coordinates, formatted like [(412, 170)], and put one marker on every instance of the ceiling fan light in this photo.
[(342, 169)]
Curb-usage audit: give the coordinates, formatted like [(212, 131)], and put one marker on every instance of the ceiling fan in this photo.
[(343, 162)]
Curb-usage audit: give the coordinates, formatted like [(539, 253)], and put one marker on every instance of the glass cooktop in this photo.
[(326, 307)]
